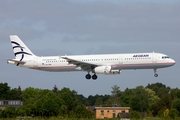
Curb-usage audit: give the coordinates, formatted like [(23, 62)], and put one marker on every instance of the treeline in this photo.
[(43, 103), (153, 100)]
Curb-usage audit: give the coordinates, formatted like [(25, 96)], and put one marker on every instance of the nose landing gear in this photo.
[(155, 74)]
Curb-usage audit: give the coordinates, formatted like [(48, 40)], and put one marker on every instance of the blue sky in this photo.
[(90, 27)]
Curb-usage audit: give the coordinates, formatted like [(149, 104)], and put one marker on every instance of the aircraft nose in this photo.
[(173, 61)]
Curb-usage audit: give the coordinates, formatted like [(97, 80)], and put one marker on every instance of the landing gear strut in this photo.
[(155, 74)]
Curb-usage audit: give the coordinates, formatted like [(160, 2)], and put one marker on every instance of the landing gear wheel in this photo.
[(94, 77), (88, 76), (155, 75)]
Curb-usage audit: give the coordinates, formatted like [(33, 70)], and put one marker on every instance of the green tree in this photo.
[(55, 89), (152, 98), (99, 101), (139, 101), (159, 88), (83, 100), (57, 99), (9, 112), (176, 104), (126, 97), (165, 101), (38, 107), (20, 92), (70, 100), (82, 112), (21, 111), (14, 95), (173, 113), (4, 91), (162, 104), (92, 99), (31, 95), (50, 108), (135, 115), (115, 98), (175, 93), (136, 103), (115, 90), (1, 113), (162, 91)]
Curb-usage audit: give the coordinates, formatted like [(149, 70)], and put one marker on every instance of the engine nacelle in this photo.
[(105, 70)]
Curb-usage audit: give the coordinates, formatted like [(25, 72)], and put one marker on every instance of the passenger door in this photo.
[(35, 62), (120, 59), (154, 58)]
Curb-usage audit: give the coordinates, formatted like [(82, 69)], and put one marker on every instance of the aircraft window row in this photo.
[(100, 59), (112, 59), (91, 60), (56, 61), (165, 57), (107, 59), (137, 58)]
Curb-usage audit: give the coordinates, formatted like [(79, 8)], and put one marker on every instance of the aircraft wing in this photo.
[(87, 66)]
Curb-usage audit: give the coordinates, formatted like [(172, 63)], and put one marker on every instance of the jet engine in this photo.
[(105, 70)]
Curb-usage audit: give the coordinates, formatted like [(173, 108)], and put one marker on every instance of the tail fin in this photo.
[(21, 51)]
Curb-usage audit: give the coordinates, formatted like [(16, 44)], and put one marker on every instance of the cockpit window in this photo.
[(165, 57)]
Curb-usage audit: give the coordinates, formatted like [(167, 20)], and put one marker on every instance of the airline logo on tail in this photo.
[(21, 51), (21, 48)]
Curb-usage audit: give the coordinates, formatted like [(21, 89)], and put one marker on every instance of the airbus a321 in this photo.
[(109, 64)]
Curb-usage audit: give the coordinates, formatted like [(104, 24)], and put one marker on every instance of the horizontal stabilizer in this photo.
[(14, 61)]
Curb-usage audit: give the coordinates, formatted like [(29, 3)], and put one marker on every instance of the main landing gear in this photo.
[(88, 76), (155, 74)]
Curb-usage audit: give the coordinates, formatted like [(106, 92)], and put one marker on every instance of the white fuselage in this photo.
[(116, 61), (108, 64)]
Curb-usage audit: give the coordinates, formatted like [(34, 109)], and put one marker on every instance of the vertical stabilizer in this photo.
[(21, 51)]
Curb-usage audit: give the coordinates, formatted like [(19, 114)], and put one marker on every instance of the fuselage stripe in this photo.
[(113, 65)]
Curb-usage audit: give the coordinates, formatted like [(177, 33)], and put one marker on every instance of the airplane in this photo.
[(109, 64)]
